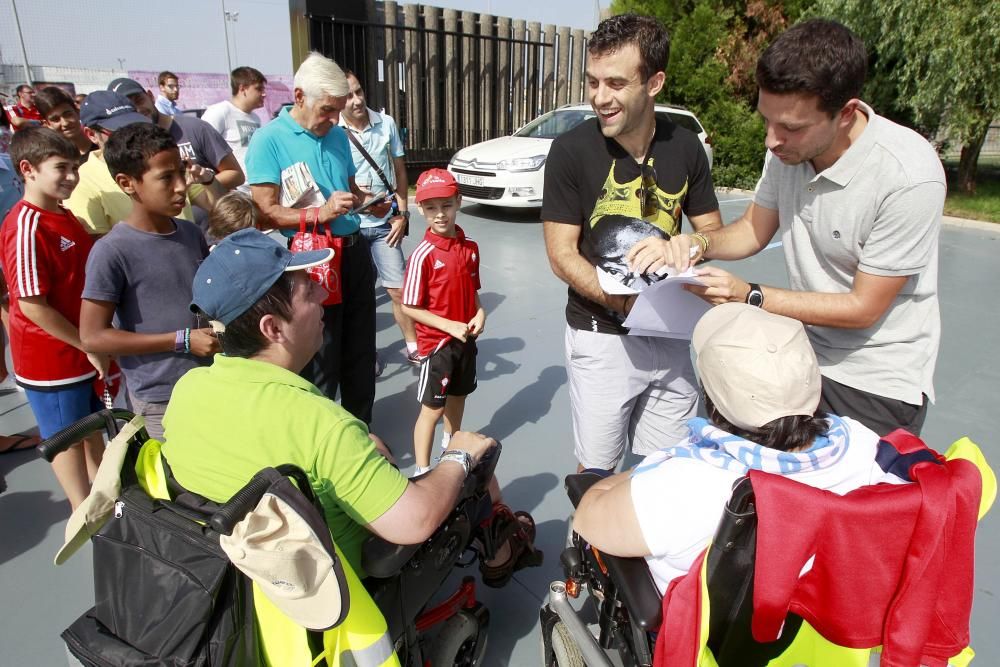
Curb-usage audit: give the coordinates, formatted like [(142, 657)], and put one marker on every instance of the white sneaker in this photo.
[(9, 385)]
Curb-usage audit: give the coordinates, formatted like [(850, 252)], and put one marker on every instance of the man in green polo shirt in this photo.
[(251, 409)]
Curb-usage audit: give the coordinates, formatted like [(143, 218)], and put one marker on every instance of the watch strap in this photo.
[(463, 458), (755, 291)]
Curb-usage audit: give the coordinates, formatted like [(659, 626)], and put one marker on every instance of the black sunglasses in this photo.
[(647, 190)]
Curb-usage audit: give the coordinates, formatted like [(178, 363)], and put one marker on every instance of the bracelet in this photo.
[(187, 341), (458, 456), (702, 241), (179, 341)]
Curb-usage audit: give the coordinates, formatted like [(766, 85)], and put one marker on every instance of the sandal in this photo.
[(516, 529), (16, 443)]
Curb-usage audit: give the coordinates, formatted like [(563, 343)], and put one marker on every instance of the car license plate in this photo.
[(464, 179)]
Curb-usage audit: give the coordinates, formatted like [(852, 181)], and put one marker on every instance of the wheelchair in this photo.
[(402, 580), (628, 606), (627, 601)]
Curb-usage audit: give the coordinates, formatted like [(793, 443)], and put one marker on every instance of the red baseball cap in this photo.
[(435, 183)]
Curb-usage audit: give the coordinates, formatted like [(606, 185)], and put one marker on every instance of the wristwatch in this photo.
[(755, 297), (460, 457), (405, 214)]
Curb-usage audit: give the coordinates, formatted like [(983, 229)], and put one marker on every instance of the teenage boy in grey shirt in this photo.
[(137, 295), (857, 201)]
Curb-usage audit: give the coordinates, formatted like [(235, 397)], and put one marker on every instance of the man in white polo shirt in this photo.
[(380, 162), (856, 202)]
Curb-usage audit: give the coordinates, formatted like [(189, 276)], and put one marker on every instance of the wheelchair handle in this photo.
[(242, 502), (104, 420)]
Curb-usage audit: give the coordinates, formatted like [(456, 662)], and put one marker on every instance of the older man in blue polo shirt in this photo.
[(308, 134)]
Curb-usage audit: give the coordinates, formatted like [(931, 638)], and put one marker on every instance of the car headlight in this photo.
[(522, 163)]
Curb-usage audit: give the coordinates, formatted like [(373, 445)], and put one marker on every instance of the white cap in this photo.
[(755, 366)]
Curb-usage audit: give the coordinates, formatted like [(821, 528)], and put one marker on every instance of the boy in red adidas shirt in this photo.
[(44, 252), (440, 293)]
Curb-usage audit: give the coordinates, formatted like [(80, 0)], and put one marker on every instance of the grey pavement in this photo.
[(522, 400)]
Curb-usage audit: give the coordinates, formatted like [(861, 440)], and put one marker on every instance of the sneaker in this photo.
[(9, 385), (413, 358), (379, 365)]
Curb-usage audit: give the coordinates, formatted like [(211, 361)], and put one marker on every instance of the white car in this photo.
[(510, 171)]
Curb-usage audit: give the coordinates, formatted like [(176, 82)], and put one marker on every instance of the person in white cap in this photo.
[(761, 387)]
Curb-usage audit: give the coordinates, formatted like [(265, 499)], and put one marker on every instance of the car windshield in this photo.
[(554, 123), (681, 120)]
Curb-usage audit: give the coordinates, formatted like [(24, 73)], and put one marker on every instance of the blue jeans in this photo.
[(388, 261)]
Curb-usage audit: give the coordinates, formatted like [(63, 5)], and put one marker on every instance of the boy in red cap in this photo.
[(440, 293)]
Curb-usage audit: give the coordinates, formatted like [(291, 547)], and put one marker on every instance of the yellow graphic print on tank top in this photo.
[(625, 199)]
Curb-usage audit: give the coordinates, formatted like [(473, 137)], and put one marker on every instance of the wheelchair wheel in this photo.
[(559, 649), (461, 642), (567, 653)]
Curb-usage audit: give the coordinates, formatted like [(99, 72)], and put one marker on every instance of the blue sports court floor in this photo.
[(522, 400)]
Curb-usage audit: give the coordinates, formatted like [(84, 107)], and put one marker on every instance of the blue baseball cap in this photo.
[(109, 110), (125, 86), (240, 270)]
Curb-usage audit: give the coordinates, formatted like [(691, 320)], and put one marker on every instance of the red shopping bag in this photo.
[(327, 275)]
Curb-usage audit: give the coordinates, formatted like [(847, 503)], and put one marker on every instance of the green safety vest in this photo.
[(362, 640)]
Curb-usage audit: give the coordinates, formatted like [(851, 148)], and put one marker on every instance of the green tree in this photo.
[(933, 65)]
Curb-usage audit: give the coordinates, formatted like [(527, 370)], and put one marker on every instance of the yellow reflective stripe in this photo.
[(379, 654)]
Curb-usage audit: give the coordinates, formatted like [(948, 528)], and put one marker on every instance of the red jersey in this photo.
[(442, 275), (44, 254), (21, 111)]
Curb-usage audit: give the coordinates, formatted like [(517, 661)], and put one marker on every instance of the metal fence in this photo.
[(453, 78), (953, 147)]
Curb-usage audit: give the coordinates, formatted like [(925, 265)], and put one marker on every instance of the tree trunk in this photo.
[(969, 160)]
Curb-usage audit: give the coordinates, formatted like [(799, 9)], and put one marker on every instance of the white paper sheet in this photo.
[(666, 309)]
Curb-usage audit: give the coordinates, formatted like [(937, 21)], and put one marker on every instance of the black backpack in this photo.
[(165, 593)]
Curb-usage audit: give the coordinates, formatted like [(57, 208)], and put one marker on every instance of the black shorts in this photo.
[(451, 371), (880, 414)]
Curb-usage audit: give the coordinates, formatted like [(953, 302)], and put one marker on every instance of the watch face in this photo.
[(755, 298)]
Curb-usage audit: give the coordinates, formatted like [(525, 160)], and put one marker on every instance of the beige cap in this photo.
[(96, 508), (284, 546), (755, 366)]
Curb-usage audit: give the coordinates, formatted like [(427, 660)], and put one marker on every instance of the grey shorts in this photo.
[(388, 261), (152, 413), (627, 390)]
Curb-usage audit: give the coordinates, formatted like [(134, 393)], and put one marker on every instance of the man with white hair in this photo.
[(308, 134)]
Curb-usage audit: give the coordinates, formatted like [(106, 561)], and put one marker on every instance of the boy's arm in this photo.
[(459, 330), (98, 335), (478, 321), (52, 322), (202, 194)]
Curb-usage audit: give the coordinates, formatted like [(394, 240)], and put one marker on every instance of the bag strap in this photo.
[(371, 161)]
